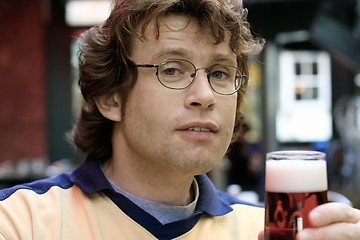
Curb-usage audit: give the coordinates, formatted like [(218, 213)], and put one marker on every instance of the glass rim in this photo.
[(295, 155), (194, 74), (238, 73)]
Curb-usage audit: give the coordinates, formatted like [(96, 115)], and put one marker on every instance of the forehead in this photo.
[(175, 23), (181, 35)]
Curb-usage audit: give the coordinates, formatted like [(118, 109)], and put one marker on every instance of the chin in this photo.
[(205, 167)]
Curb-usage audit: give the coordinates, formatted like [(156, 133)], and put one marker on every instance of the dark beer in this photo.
[(296, 183), (287, 213)]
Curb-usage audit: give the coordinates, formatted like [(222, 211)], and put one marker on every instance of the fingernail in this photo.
[(304, 235)]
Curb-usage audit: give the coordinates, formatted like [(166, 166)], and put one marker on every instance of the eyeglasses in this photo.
[(179, 74)]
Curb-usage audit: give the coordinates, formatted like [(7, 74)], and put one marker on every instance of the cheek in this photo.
[(141, 125), (146, 109), (229, 111)]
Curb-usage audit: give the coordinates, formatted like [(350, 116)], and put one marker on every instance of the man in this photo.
[(162, 83)]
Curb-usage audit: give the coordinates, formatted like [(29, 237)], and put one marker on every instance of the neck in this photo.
[(154, 187), (145, 179)]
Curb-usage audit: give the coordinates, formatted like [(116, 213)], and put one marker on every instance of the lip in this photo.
[(199, 135), (209, 125)]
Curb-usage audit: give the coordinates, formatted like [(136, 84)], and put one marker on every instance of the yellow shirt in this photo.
[(82, 205)]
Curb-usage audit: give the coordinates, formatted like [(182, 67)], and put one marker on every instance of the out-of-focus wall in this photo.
[(22, 80)]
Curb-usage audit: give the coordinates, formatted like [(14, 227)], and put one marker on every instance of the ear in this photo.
[(109, 106)]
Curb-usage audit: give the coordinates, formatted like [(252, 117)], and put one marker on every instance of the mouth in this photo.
[(199, 129)]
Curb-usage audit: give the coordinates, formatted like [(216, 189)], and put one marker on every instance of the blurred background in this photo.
[(304, 90)]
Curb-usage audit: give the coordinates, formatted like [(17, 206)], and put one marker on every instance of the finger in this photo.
[(261, 235), (348, 231), (333, 213)]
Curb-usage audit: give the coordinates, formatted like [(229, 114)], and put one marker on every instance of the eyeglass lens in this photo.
[(178, 74)]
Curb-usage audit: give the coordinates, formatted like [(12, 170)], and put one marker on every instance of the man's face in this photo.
[(180, 131)]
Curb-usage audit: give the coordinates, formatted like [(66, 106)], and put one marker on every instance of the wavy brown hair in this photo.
[(106, 68)]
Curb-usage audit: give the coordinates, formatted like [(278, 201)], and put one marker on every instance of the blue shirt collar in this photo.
[(91, 179)]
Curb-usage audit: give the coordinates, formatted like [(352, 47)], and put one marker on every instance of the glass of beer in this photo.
[(295, 183)]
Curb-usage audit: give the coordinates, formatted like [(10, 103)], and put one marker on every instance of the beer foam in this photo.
[(296, 176)]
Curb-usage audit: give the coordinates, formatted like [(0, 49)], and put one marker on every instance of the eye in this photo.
[(218, 75), (172, 68), (171, 71)]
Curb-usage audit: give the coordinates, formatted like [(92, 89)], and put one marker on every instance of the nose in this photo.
[(200, 93)]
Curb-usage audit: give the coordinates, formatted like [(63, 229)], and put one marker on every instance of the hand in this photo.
[(331, 221)]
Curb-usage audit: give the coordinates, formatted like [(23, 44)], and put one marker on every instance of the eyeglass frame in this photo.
[(194, 74)]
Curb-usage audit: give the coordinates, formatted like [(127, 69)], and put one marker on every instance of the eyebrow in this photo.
[(224, 58), (184, 53), (171, 52)]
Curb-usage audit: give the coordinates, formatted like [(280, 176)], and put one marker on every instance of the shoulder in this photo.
[(25, 200), (38, 196), (37, 204), (37, 187)]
